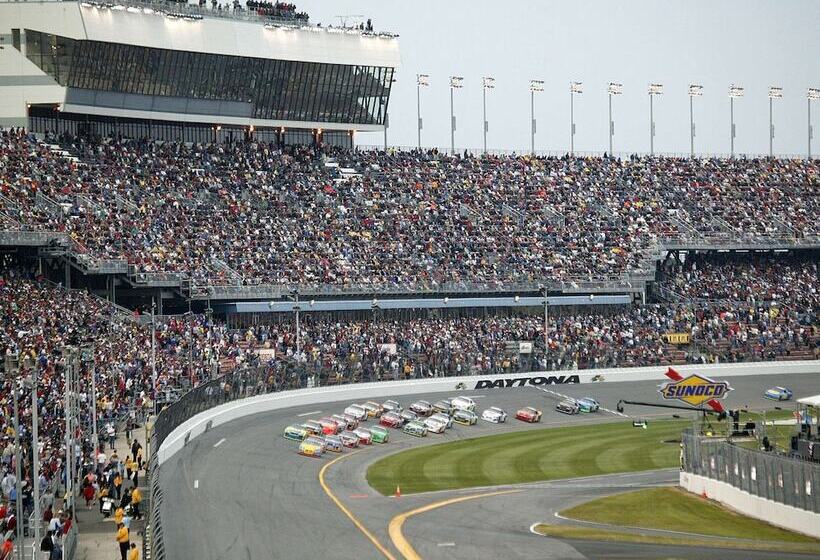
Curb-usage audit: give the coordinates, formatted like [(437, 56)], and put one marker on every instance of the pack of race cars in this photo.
[(338, 432)]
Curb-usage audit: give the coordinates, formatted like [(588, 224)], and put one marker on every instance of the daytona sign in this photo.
[(527, 381)]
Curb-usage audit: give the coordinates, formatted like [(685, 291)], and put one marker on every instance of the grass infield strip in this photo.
[(673, 509), (530, 456), (583, 533)]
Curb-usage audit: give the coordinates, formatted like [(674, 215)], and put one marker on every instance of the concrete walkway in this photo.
[(97, 535)]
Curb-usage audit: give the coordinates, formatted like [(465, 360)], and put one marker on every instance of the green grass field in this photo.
[(530, 455), (675, 510)]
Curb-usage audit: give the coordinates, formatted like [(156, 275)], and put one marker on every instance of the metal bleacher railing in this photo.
[(768, 475)]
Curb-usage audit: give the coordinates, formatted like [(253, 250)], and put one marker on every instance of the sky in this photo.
[(752, 43)]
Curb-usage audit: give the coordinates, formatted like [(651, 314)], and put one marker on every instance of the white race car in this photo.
[(357, 412), (446, 419), (434, 426), (494, 415), (463, 403)]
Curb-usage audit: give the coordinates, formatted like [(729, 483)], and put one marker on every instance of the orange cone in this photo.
[(398, 492)]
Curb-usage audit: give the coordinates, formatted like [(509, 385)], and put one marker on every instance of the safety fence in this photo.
[(772, 476)]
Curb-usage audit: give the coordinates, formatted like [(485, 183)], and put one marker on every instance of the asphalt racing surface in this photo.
[(240, 491)]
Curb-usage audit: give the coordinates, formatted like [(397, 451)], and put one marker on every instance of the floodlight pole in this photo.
[(452, 125), (571, 122), (35, 454), (418, 109), (732, 126), (691, 127), (811, 131), (532, 121), (484, 104), (611, 124), (771, 129), (651, 125)]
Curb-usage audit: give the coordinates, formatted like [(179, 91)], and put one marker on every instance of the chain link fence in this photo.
[(768, 475)]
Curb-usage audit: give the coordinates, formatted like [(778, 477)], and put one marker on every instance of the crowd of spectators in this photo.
[(257, 213), (278, 10), (748, 278)]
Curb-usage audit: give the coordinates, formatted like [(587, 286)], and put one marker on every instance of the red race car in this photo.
[(528, 414), (391, 420), (329, 426)]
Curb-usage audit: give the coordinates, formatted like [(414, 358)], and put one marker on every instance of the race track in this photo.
[(240, 491)]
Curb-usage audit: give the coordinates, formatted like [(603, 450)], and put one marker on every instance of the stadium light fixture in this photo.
[(486, 83), (574, 87), (456, 82), (812, 94), (734, 92), (422, 80), (695, 90), (774, 93), (613, 88), (536, 86), (654, 89)]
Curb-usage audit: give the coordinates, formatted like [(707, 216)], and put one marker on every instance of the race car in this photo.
[(296, 433), (379, 434), (415, 428), (391, 420), (374, 410), (494, 415), (434, 425), (408, 416), (445, 406), (317, 440), (422, 408), (329, 426), (463, 403), (778, 394), (349, 439), (391, 406), (347, 422), (568, 406), (588, 404), (312, 427), (334, 443), (365, 436), (445, 419), (357, 412), (528, 414), (465, 417), (310, 449)]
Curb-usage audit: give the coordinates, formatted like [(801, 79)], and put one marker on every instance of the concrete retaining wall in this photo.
[(364, 391), (775, 513)]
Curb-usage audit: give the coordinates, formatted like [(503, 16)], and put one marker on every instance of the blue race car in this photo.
[(778, 394), (588, 404)]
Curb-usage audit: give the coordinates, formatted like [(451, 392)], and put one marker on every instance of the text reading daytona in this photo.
[(525, 381)]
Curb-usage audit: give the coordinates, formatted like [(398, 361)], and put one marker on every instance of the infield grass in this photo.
[(673, 509), (529, 456)]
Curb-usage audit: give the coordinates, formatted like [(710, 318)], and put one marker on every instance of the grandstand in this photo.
[(183, 205)]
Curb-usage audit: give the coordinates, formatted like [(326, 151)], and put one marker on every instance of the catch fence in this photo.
[(768, 475)]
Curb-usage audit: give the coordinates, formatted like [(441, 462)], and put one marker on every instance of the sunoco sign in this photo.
[(527, 381)]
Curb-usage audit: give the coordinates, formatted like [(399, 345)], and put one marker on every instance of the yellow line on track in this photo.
[(359, 525), (398, 538)]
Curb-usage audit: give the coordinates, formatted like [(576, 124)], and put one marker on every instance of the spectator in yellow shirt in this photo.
[(136, 498), (134, 553), (124, 540)]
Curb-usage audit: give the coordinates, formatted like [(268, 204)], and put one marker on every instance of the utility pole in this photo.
[(574, 87), (734, 91), (695, 90), (546, 319), (94, 437), (813, 94), (422, 80), (774, 93), (654, 89), (456, 82), (535, 86), (67, 373), (614, 88), (35, 450), (153, 356), (486, 83)]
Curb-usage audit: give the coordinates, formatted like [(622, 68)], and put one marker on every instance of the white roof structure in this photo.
[(810, 401)]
